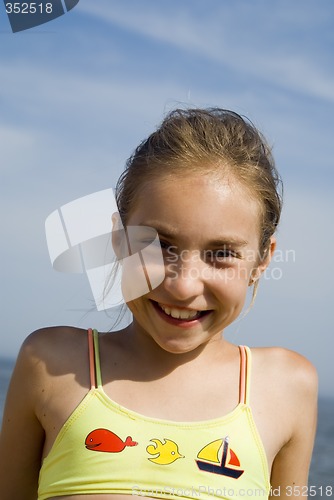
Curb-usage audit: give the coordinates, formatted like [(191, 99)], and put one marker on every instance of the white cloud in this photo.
[(212, 34)]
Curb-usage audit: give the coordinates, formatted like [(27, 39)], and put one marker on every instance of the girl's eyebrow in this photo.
[(228, 242), (167, 231), (170, 232)]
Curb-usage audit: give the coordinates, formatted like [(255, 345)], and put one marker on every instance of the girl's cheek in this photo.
[(237, 275)]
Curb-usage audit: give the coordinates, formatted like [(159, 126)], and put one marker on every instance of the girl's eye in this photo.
[(166, 246), (223, 254), (220, 255)]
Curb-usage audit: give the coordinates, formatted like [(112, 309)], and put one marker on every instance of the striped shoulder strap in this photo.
[(245, 374), (94, 359)]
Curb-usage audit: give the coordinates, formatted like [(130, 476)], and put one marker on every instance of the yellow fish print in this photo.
[(166, 452)]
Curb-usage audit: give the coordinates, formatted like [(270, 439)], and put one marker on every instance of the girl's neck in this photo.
[(148, 352)]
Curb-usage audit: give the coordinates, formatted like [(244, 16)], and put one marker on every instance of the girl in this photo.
[(167, 408)]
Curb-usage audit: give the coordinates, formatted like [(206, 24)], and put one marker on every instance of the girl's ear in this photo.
[(116, 221), (264, 263)]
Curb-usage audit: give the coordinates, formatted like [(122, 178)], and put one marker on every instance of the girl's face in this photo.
[(209, 236)]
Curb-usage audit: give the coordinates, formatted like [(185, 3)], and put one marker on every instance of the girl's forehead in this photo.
[(199, 192), (198, 206)]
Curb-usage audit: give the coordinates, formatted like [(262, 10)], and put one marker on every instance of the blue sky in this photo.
[(79, 93)]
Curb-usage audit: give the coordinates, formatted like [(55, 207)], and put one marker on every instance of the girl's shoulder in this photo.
[(49, 341), (283, 394), (285, 371), (53, 336), (282, 359), (53, 350)]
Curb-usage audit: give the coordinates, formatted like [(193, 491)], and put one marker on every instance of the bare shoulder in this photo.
[(289, 386), (53, 343), (48, 360), (286, 382), (48, 353), (285, 368), (53, 336), (284, 402)]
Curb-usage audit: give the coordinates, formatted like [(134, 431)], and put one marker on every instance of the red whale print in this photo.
[(107, 441)]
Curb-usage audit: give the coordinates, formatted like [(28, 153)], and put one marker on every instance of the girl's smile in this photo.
[(182, 317)]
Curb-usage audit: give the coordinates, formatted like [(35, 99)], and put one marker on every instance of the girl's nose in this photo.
[(184, 279)]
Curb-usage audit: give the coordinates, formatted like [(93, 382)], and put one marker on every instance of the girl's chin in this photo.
[(179, 345)]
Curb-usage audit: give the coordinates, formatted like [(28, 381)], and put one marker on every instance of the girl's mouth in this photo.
[(177, 315)]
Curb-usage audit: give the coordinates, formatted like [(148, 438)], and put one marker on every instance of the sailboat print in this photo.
[(210, 462)]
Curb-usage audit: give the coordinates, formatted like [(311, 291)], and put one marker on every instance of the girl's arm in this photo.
[(22, 436), (289, 478)]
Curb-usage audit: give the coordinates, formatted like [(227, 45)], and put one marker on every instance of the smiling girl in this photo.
[(167, 407)]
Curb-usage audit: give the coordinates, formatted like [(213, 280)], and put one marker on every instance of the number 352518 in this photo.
[(28, 8)]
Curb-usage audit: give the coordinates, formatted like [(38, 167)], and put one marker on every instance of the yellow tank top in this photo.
[(106, 448)]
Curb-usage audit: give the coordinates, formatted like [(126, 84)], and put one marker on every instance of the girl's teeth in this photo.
[(179, 313)]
